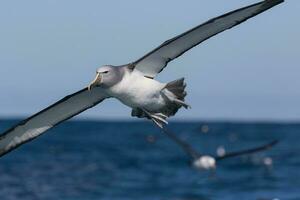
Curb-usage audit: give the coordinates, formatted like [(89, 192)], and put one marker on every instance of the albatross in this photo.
[(133, 84), (209, 162)]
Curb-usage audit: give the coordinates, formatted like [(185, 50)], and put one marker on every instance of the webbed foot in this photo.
[(158, 118)]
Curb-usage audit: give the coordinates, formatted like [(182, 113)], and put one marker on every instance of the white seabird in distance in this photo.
[(133, 84), (208, 162)]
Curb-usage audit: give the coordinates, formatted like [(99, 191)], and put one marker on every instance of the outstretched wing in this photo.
[(37, 124), (248, 151), (155, 61), (187, 148)]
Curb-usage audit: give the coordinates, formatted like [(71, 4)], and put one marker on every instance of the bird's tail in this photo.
[(177, 87), (174, 93)]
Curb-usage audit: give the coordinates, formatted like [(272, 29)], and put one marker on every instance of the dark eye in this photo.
[(105, 72)]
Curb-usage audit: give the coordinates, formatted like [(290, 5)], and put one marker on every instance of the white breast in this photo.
[(205, 162), (135, 90)]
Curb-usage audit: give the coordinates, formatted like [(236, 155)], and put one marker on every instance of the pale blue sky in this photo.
[(51, 48)]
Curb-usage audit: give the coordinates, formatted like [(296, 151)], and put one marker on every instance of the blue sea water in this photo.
[(89, 160)]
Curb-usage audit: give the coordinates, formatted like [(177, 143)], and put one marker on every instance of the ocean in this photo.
[(115, 160)]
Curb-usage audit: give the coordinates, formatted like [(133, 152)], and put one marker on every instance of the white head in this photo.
[(107, 76), (205, 162)]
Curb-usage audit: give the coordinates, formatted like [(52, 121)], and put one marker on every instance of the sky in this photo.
[(52, 48)]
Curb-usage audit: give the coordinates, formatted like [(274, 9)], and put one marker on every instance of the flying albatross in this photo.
[(208, 162), (133, 84)]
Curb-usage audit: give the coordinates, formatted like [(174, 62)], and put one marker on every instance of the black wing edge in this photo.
[(268, 5), (2, 136), (249, 151), (187, 148)]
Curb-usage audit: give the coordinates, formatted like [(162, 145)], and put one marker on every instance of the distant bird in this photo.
[(133, 84), (208, 162)]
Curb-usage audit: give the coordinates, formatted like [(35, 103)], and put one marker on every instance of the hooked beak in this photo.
[(95, 82)]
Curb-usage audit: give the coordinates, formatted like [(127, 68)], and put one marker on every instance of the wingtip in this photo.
[(271, 144), (271, 3)]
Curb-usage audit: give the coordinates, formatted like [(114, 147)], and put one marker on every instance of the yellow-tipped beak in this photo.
[(95, 82)]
